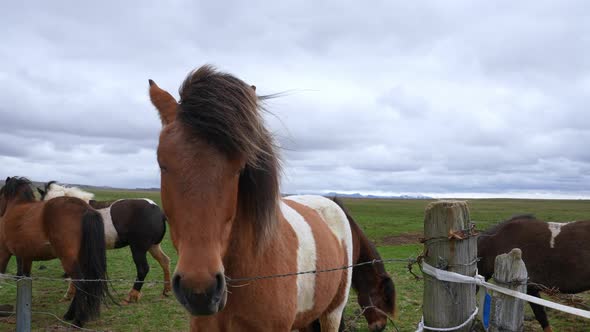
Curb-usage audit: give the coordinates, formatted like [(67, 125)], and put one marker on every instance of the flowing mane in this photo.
[(11, 189), (52, 190), (225, 112)]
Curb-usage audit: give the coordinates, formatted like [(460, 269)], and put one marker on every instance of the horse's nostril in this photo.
[(220, 282)]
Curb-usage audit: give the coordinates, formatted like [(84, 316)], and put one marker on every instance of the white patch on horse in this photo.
[(329, 210), (55, 190), (110, 233), (149, 201), (336, 219), (555, 228), (306, 258)]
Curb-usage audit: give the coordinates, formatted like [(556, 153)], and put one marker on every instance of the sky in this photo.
[(446, 99)]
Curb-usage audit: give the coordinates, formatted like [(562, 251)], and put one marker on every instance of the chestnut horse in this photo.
[(66, 228), (555, 255), (137, 223), (220, 192), (373, 285)]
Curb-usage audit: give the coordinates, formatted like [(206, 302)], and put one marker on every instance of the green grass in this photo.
[(378, 218)]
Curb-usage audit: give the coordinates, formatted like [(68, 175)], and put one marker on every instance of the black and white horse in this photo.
[(137, 223)]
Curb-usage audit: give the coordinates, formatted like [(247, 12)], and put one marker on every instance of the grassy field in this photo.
[(395, 225)]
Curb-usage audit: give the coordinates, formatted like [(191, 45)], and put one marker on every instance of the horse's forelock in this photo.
[(388, 292), (224, 111)]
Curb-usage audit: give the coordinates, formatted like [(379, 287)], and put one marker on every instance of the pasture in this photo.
[(394, 225)]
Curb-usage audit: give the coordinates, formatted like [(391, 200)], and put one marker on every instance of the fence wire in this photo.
[(350, 324)]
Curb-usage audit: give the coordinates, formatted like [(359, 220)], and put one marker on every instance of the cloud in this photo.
[(392, 98)]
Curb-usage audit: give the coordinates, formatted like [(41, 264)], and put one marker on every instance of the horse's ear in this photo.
[(253, 87), (164, 103), (7, 179)]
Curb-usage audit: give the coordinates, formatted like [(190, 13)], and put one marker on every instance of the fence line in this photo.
[(426, 268), (253, 278)]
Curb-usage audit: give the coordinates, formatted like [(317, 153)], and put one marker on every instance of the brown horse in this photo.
[(220, 192), (137, 223), (66, 228), (373, 285), (554, 255)]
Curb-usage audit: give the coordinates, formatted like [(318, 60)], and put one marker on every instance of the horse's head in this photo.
[(218, 170), (43, 192), (15, 189), (380, 304)]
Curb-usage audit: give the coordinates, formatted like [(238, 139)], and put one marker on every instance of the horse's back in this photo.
[(138, 218), (551, 251), (328, 245), (331, 213)]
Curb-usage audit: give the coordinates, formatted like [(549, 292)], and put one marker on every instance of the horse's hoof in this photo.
[(166, 292), (132, 297)]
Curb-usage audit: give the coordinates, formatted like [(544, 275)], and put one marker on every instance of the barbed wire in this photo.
[(253, 278)]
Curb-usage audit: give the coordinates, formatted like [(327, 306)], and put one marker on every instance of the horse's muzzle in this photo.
[(377, 326), (199, 302)]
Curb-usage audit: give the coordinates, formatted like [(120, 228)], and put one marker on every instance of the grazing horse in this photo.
[(220, 191), (373, 285), (552, 252), (66, 228), (137, 223)]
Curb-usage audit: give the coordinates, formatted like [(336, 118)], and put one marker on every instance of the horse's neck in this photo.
[(243, 248)]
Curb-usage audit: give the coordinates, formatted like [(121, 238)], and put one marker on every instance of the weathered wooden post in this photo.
[(24, 288), (450, 245), (507, 312)]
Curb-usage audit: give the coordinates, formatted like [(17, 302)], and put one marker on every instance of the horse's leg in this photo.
[(539, 311), (164, 261), (4, 259), (69, 267), (142, 266), (70, 293), (23, 267), (330, 322)]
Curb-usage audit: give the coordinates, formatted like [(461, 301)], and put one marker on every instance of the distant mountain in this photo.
[(330, 194), (358, 195)]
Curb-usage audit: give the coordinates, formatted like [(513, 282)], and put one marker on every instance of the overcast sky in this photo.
[(443, 98)]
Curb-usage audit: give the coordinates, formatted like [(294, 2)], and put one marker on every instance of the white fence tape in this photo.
[(480, 281), (421, 325)]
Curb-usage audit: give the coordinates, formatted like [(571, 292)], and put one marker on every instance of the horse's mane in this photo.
[(52, 190), (494, 229), (222, 110), (11, 187)]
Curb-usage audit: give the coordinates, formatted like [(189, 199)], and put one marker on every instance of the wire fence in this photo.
[(349, 325), (9, 279)]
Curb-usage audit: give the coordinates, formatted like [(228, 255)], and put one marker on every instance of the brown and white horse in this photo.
[(137, 223), (555, 255), (66, 228), (220, 191), (373, 285)]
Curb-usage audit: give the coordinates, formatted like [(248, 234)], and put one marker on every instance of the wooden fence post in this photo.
[(449, 245), (507, 313), (24, 288)]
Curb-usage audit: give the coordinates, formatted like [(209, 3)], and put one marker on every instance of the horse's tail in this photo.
[(368, 252), (92, 262)]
